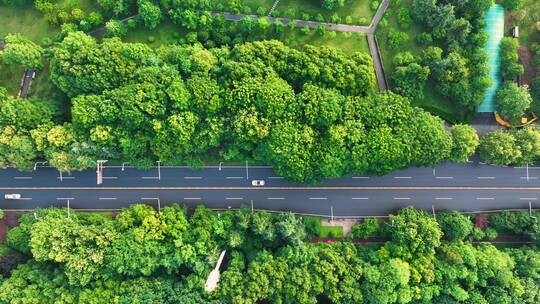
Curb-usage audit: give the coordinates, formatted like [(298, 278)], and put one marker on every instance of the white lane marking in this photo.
[(107, 198), (150, 177), (275, 198), (25, 198), (65, 177), (402, 198), (528, 198), (530, 177), (110, 177), (526, 167), (192, 198), (149, 198), (403, 177), (234, 177), (192, 177), (318, 198), (65, 198), (234, 198), (443, 198), (22, 177), (485, 198), (276, 177), (360, 177), (481, 163), (486, 177), (444, 177), (360, 198)]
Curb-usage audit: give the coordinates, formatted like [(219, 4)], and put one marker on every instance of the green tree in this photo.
[(510, 67), (149, 13), (21, 50), (465, 141), (454, 225), (499, 148), (513, 100)]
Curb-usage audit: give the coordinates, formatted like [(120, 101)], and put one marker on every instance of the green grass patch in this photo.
[(526, 19), (433, 102), (10, 77), (314, 227), (26, 20), (349, 43), (166, 33), (358, 10)]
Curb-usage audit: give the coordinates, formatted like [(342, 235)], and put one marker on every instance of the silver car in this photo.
[(12, 196)]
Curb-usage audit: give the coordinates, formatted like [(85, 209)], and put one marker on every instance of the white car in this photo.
[(12, 196), (257, 182)]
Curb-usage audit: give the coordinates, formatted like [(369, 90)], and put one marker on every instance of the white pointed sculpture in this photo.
[(213, 278)]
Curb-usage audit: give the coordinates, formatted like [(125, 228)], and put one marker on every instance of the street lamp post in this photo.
[(39, 163), (159, 169)]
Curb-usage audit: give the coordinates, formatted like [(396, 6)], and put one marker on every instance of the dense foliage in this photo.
[(21, 50), (141, 256), (510, 67), (311, 114), (513, 100), (517, 147), (454, 30)]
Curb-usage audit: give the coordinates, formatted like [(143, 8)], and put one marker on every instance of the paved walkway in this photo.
[(368, 30), (26, 83)]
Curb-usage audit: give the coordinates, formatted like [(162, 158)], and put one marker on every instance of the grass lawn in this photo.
[(358, 10), (10, 77), (26, 20), (313, 223), (433, 102), (526, 19), (348, 43), (166, 33)]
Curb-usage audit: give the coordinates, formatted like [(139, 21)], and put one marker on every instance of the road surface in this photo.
[(465, 187)]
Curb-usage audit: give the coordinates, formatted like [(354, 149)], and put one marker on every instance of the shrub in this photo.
[(319, 17), (477, 234), (424, 38), (455, 226), (151, 39), (348, 20), (18, 239), (491, 233), (261, 11), (374, 5), (367, 228), (396, 38)]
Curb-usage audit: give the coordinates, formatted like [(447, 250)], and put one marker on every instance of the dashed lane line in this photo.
[(402, 198), (276, 177), (107, 198), (192, 177), (360, 177), (485, 177), (485, 198), (444, 198), (402, 177), (528, 198), (22, 177), (234, 177), (275, 198), (234, 198), (318, 198), (444, 177), (360, 198), (192, 198)]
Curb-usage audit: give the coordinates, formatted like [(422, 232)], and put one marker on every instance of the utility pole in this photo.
[(527, 168), (213, 278), (220, 166), (38, 163), (332, 215), (433, 210), (123, 166), (159, 169), (251, 206), (68, 208), (247, 170)]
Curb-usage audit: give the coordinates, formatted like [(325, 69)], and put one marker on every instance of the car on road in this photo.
[(12, 196), (257, 183)]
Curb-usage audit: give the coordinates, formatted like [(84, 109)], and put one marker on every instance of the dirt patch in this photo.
[(11, 219), (525, 58)]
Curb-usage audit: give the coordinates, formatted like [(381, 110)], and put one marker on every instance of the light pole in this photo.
[(68, 208), (433, 210), (99, 171), (332, 215), (247, 170), (159, 169), (39, 163), (220, 166), (123, 166), (155, 199)]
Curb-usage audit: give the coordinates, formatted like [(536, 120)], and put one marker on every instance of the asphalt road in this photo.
[(465, 187)]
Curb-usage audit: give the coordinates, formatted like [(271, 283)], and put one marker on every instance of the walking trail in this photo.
[(368, 30)]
